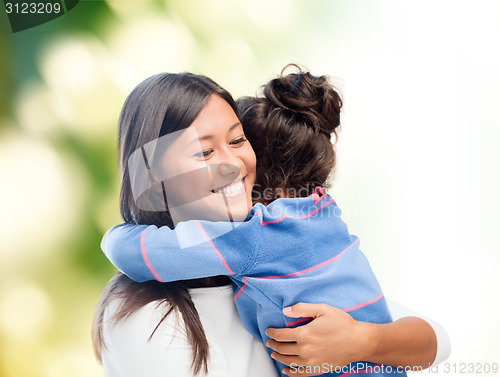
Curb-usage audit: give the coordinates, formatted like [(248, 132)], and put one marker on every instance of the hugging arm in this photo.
[(334, 338), (145, 252)]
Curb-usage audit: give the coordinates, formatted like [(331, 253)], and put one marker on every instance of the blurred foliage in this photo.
[(62, 86), (47, 296)]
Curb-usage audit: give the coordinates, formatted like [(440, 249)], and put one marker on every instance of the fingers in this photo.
[(300, 310), (283, 348), (287, 359), (283, 335), (303, 309)]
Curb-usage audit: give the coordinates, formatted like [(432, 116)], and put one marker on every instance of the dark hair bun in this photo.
[(305, 97)]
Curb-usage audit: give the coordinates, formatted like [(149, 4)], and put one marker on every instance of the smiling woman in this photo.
[(159, 118), (208, 171)]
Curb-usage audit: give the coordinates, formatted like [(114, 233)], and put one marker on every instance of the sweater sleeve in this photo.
[(194, 249)]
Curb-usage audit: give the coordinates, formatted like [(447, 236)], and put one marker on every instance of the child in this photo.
[(295, 249)]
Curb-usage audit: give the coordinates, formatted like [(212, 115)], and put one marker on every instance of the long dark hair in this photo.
[(290, 129), (158, 106)]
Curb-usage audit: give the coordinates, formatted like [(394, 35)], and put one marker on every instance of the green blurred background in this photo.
[(417, 176)]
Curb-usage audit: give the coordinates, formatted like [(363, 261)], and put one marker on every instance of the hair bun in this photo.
[(311, 98)]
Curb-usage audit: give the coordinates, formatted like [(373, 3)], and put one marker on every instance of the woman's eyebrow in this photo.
[(234, 126), (208, 137)]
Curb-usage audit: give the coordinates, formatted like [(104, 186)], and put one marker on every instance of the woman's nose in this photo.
[(228, 169), (229, 164)]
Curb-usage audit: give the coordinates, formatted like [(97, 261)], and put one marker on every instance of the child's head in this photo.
[(290, 129)]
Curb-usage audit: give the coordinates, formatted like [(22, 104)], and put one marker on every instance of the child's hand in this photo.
[(332, 339)]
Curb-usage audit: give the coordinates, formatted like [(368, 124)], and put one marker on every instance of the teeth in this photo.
[(231, 189)]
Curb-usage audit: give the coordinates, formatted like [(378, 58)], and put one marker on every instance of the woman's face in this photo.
[(209, 170)]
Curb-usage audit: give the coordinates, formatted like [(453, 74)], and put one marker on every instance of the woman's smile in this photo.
[(234, 189)]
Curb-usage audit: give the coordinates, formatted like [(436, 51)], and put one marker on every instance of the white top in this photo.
[(233, 351)]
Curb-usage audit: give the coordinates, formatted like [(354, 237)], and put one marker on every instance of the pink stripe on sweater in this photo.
[(364, 303), (292, 217), (239, 292), (310, 268), (318, 194), (293, 323), (215, 249), (145, 257)]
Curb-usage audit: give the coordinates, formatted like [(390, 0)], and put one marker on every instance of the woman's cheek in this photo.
[(190, 184)]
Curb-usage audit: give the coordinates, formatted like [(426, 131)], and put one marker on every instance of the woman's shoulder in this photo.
[(152, 319), (132, 351), (145, 343), (143, 324)]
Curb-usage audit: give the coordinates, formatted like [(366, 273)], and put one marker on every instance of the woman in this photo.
[(166, 105)]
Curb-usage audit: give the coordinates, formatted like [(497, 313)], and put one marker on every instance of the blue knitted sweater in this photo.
[(293, 250)]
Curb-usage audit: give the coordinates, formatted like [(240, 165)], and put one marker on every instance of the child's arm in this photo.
[(194, 249)]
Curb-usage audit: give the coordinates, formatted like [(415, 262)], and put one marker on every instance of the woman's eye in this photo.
[(238, 141), (205, 154)]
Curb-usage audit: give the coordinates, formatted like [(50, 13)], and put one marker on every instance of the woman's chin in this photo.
[(213, 208), (239, 216), (239, 208)]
